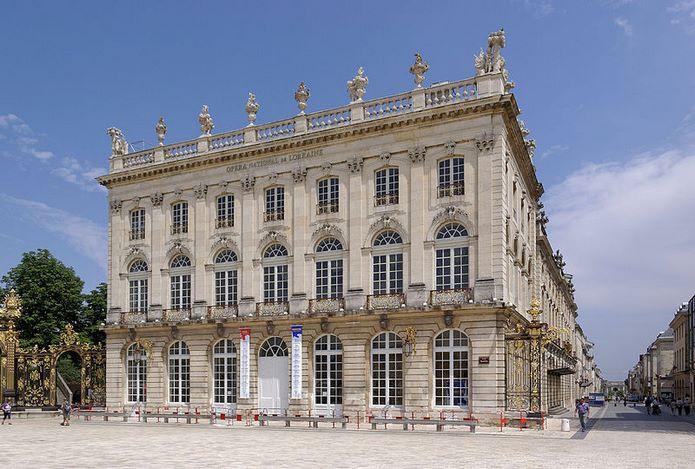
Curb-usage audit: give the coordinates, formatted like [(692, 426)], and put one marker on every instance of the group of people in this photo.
[(65, 411), (680, 406)]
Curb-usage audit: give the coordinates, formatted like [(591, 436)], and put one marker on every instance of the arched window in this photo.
[(387, 370), (450, 177), (386, 187), (328, 372), (179, 218), (137, 286), (327, 194), (329, 269), (275, 275), (224, 372), (451, 257), (387, 263), (180, 280), (451, 369), (273, 347), (226, 278), (179, 373), (136, 373)]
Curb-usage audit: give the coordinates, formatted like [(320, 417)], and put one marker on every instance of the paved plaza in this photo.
[(618, 437)]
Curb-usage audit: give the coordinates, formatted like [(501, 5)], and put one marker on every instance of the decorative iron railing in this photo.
[(223, 311), (449, 190), (386, 199), (326, 305), (176, 315), (387, 301), (451, 297), (134, 317), (224, 222), (273, 308), (274, 215), (323, 208)]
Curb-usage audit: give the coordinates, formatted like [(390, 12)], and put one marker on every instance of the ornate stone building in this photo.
[(369, 257)]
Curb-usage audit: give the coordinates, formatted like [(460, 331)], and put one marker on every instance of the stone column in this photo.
[(484, 282), (417, 294), (355, 294), (200, 225), (118, 236), (158, 232), (248, 248), (299, 300)]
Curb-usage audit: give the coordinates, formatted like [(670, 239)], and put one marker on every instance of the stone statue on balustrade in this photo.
[(119, 145), (491, 61), (205, 121), (419, 68), (161, 129), (252, 108), (358, 86)]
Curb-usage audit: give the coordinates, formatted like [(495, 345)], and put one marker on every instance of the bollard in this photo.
[(565, 425)]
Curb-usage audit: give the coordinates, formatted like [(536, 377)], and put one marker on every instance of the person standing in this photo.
[(679, 406), (582, 411), (648, 404), (672, 405), (7, 412), (65, 409), (686, 405)]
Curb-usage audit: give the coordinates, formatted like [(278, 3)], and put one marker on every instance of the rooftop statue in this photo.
[(419, 68), (491, 61), (119, 146), (302, 95), (252, 108), (161, 129), (205, 121), (357, 86)]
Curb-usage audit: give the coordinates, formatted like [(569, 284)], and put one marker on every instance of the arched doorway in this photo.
[(69, 378), (273, 375)]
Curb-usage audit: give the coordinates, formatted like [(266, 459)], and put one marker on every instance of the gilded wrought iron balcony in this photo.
[(138, 233), (449, 190), (272, 308), (323, 208), (451, 297), (223, 311), (326, 305), (386, 199), (224, 222), (274, 215), (134, 317), (179, 228), (386, 301), (176, 315)]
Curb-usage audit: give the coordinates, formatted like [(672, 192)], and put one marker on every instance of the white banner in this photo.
[(296, 361), (245, 364)]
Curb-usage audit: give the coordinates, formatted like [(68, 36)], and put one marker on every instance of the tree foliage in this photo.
[(93, 314), (51, 294)]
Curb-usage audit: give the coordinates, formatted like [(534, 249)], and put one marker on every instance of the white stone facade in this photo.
[(468, 125)]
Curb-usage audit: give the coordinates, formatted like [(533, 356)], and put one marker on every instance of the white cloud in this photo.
[(71, 170), (85, 236), (628, 234), (553, 150), (23, 136), (625, 25), (683, 12), (540, 8)]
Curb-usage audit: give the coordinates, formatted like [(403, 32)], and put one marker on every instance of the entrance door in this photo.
[(273, 376)]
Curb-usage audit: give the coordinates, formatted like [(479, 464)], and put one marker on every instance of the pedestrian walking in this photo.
[(679, 406), (582, 410), (648, 404), (686, 405), (672, 405), (65, 409), (6, 412)]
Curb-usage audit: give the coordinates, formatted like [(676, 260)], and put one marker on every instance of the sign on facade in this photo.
[(245, 365), (296, 361)]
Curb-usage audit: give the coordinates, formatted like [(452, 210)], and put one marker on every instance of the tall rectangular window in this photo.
[(274, 204), (225, 211), (329, 279), (386, 187), (179, 218), (387, 274), (328, 191), (226, 288), (451, 177), (138, 295), (275, 284), (137, 224), (181, 291), (452, 268)]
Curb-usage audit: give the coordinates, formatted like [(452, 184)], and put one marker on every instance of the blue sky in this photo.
[(605, 88)]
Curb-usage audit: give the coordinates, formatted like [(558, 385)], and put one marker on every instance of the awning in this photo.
[(565, 370)]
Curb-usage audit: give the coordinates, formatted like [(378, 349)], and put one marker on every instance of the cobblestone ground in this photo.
[(618, 437)]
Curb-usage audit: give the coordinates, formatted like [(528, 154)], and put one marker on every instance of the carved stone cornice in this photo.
[(417, 154), (299, 175), (355, 165), (157, 198)]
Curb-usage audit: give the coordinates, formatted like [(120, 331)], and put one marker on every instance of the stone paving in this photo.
[(618, 437)]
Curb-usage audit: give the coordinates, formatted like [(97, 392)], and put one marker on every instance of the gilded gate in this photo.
[(29, 376)]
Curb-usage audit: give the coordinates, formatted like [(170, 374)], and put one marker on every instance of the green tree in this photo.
[(51, 296), (93, 314)]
